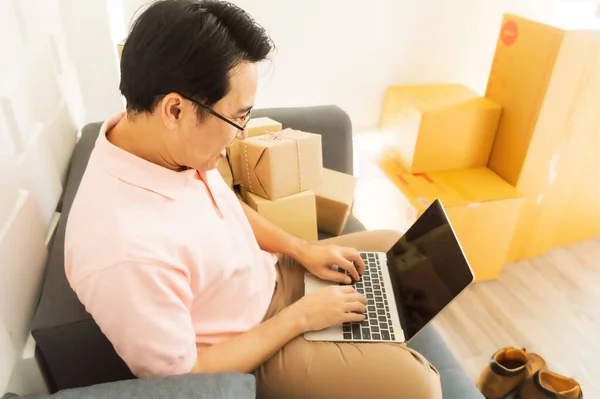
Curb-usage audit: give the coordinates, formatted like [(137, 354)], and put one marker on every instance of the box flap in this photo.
[(453, 188), (433, 97)]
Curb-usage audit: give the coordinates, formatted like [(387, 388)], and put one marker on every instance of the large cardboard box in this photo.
[(281, 164), (548, 82), (439, 127), (482, 207), (334, 198), (296, 214), (567, 211), (255, 127)]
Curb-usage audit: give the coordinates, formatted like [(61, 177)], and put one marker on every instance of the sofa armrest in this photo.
[(330, 121), (197, 386)]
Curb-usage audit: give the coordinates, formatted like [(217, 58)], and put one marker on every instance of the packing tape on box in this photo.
[(279, 136)]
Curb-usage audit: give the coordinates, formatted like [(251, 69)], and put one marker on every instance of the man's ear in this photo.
[(171, 109)]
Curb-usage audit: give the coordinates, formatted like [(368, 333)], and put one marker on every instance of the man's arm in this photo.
[(245, 352), (316, 259), (318, 310), (273, 238)]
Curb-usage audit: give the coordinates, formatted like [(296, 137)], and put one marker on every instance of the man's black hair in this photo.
[(188, 47)]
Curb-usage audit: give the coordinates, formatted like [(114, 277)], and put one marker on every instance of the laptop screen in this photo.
[(428, 269)]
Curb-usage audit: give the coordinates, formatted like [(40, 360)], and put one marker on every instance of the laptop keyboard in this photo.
[(377, 324)]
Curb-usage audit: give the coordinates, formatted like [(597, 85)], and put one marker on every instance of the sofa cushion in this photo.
[(455, 383), (79, 160), (197, 386)]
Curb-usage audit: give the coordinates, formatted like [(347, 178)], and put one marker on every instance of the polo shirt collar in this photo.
[(137, 171)]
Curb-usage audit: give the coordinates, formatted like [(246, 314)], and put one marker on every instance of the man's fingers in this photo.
[(356, 307), (348, 289), (353, 255), (349, 267), (333, 275), (351, 316), (357, 297)]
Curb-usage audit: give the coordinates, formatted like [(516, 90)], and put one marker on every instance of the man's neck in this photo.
[(141, 138)]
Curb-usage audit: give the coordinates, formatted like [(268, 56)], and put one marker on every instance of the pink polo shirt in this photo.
[(163, 270)]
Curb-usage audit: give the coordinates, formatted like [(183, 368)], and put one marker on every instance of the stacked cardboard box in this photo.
[(438, 141), (439, 127), (255, 127), (548, 81), (335, 199), (536, 130), (481, 206), (281, 176)]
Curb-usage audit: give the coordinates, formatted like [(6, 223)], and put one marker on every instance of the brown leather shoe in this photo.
[(545, 384), (507, 371)]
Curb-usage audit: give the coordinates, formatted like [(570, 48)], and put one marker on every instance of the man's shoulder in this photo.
[(105, 225)]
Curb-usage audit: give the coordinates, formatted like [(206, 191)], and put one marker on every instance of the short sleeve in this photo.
[(144, 311)]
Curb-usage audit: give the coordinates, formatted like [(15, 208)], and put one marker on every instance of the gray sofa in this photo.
[(78, 360)]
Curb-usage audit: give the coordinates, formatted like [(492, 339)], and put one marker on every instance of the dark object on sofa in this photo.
[(70, 346)]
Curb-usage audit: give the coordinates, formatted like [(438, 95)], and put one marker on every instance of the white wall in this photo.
[(347, 52), (42, 107)]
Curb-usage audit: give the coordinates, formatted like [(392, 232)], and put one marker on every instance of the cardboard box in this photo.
[(120, 49), (567, 211), (256, 127), (296, 214), (281, 164), (439, 127), (482, 208), (225, 171), (548, 82), (334, 198)]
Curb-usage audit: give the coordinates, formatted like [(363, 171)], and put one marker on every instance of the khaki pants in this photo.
[(303, 369)]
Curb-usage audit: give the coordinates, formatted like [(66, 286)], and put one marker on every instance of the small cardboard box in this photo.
[(296, 214), (482, 207), (281, 164), (547, 79), (120, 49), (335, 197), (439, 127), (225, 171), (256, 127)]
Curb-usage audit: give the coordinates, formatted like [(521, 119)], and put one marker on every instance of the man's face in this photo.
[(201, 145)]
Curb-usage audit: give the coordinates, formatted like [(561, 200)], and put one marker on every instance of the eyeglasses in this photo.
[(245, 118)]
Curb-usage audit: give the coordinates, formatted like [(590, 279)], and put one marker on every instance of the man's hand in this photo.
[(329, 306), (318, 260)]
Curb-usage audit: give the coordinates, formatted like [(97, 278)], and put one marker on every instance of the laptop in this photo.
[(408, 286)]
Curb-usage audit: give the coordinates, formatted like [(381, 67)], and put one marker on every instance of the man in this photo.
[(182, 277)]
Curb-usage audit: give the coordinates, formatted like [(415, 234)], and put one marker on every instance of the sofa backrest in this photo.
[(71, 348)]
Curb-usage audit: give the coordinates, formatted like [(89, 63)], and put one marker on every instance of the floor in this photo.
[(549, 305)]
